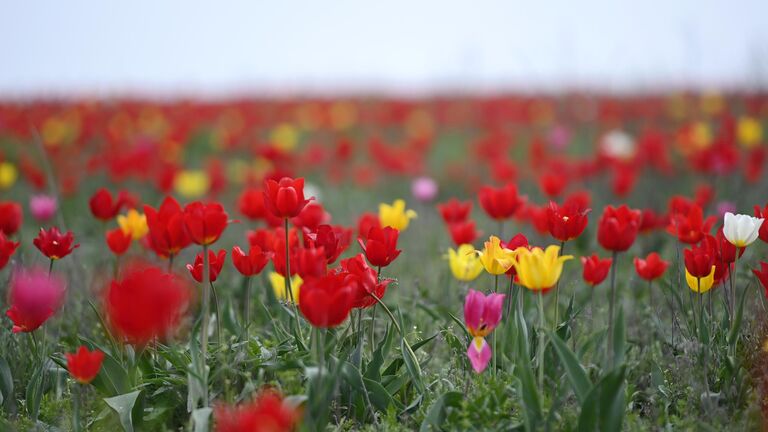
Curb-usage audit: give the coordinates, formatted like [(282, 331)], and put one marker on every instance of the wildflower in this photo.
[(84, 365), (651, 267), (34, 297), (133, 223), (496, 259), (278, 286), (537, 269), (482, 314), (395, 215), (595, 269), (740, 229), (618, 227), (205, 222), (327, 300), (465, 263), (53, 244)]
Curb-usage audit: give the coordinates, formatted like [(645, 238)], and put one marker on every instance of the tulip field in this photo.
[(572, 262)]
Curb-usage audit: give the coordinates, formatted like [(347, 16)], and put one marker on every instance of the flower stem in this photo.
[(373, 314), (611, 307), (557, 292), (204, 326), (76, 425), (495, 347), (218, 314), (247, 307), (542, 338), (288, 281)]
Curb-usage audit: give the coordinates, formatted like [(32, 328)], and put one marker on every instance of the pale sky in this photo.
[(225, 47)]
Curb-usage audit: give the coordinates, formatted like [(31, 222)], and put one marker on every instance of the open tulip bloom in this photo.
[(482, 314), (740, 229)]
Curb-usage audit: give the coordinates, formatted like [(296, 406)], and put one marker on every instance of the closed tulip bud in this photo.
[(650, 268), (84, 365), (205, 222), (482, 313), (326, 301), (285, 199), (595, 269), (395, 215), (118, 241), (252, 263), (500, 203), (618, 227), (465, 264), (380, 246), (11, 217), (215, 264)]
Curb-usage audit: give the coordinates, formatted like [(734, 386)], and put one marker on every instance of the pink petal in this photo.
[(479, 354), (473, 308), (494, 303)]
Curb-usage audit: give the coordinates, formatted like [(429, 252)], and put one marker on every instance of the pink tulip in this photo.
[(424, 189), (42, 207), (34, 297), (482, 314)]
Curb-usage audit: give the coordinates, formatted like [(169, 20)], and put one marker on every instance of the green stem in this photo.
[(50, 267), (542, 338), (247, 308), (288, 280), (557, 292), (204, 326), (495, 290), (76, 425), (219, 337), (611, 306)]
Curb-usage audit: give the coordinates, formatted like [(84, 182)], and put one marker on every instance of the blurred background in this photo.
[(295, 47)]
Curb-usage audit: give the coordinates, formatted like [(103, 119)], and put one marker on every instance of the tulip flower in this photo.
[(8, 175), (205, 222), (364, 280), (566, 222), (690, 227), (310, 262), (7, 248), (311, 216), (395, 215), (118, 241), (10, 217), (699, 260), (327, 300), (700, 284), (740, 229), (252, 263), (760, 213), (482, 313), (595, 269), (146, 304), (650, 268), (424, 189), (167, 232), (453, 210), (330, 239), (539, 269), (285, 199), (465, 263), (53, 244), (496, 259), (500, 203), (463, 232), (216, 262), (618, 227), (134, 224), (267, 412), (103, 206), (251, 204), (762, 276), (365, 223), (380, 246), (517, 241), (34, 296), (278, 286), (84, 364), (42, 207)]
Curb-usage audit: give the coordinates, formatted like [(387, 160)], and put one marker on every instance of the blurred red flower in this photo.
[(762, 276), (309, 262), (366, 222), (205, 222), (651, 267), (84, 365), (118, 241), (327, 300), (500, 203), (463, 232), (763, 213), (453, 210), (311, 216), (690, 227), (34, 296), (7, 248), (266, 413), (251, 203), (103, 206), (167, 232), (11, 217), (566, 222)]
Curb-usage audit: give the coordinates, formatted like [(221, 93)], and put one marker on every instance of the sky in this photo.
[(173, 47)]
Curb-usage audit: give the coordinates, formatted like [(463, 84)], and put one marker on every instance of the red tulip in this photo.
[(763, 233), (215, 264), (617, 228), (285, 199), (762, 276), (309, 262), (11, 217), (364, 280), (167, 233), (251, 264), (463, 232), (7, 248), (329, 239), (380, 246), (103, 206), (690, 227), (566, 222), (699, 260), (251, 204), (453, 210), (724, 254), (365, 223), (326, 301), (54, 244), (266, 413), (517, 241), (34, 297), (652, 267), (500, 203), (649, 221), (118, 241), (263, 238), (205, 222), (552, 184), (312, 216), (595, 269), (84, 365), (146, 303)]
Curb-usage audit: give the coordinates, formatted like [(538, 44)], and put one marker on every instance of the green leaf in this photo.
[(438, 411), (6, 384), (373, 369), (603, 410), (123, 405), (34, 393), (201, 418), (575, 372), (526, 382), (738, 316), (412, 365), (619, 338)]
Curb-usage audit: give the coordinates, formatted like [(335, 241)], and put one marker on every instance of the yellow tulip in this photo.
[(700, 285), (191, 183), (539, 269), (284, 137), (750, 132), (464, 262), (395, 215), (133, 223), (278, 286), (495, 259), (8, 175)]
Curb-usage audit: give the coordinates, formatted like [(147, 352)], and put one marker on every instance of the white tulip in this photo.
[(741, 230)]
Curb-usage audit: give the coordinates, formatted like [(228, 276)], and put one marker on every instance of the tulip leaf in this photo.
[(412, 364), (439, 410), (603, 409), (738, 317), (373, 369), (123, 406), (6, 384), (619, 338), (201, 418), (34, 393), (573, 369), (526, 382)]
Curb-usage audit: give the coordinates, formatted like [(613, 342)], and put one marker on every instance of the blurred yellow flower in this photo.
[(496, 259), (539, 269), (750, 132), (701, 135), (700, 285), (278, 286), (284, 137), (395, 215), (191, 183), (133, 223), (8, 175), (465, 263)]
